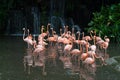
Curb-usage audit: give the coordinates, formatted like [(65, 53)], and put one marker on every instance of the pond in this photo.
[(12, 50)]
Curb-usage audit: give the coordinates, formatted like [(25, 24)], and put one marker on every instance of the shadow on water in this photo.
[(12, 50)]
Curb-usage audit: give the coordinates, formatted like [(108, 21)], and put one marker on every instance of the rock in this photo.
[(117, 67), (111, 61)]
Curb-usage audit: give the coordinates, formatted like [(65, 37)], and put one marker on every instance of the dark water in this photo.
[(12, 50)]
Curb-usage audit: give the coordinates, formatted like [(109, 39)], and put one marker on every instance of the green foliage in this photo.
[(107, 21)]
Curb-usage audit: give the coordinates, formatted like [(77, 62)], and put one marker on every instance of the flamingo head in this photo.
[(78, 32), (23, 28), (49, 24)]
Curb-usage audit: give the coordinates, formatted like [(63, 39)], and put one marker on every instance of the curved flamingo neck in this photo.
[(42, 29), (28, 32), (94, 40), (73, 32), (24, 34), (87, 47), (80, 48), (78, 35), (93, 57), (52, 32), (48, 27), (82, 35), (60, 32), (93, 37), (99, 33)]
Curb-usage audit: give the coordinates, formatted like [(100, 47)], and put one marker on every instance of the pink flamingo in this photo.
[(60, 38), (39, 56), (89, 60), (42, 35), (87, 38), (78, 40), (84, 55), (67, 49), (52, 39), (73, 37), (28, 39), (93, 47), (34, 41), (105, 44), (98, 38), (76, 53)]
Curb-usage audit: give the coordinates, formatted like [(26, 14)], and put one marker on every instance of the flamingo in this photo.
[(76, 53), (87, 38), (52, 39), (73, 35), (39, 58), (78, 40), (105, 44), (83, 42), (84, 55), (39, 48), (42, 35), (60, 38), (98, 38), (66, 41), (67, 48), (34, 41), (90, 61), (93, 47), (55, 36), (65, 31), (39, 55), (28, 39), (48, 27)]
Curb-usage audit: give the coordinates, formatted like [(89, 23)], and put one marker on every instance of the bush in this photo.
[(107, 21)]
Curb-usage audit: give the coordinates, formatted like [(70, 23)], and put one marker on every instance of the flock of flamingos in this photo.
[(74, 49)]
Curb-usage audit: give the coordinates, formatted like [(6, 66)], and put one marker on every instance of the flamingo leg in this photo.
[(43, 70), (78, 62), (29, 69), (54, 61), (24, 65), (105, 53)]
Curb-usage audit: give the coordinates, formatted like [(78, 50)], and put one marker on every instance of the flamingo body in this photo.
[(89, 60), (75, 52), (29, 41)]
